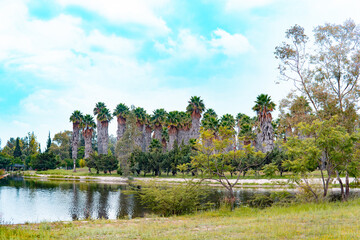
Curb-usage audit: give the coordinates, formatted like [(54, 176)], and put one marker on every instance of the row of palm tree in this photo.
[(174, 126)]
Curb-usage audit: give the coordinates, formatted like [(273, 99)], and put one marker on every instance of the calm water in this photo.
[(36, 201)]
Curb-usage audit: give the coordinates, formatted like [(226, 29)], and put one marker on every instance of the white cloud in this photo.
[(231, 45), (141, 12), (241, 5), (188, 45)]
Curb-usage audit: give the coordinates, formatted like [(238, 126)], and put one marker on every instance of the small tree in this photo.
[(216, 162), (326, 144)]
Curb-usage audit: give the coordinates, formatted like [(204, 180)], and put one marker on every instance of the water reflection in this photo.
[(35, 201)]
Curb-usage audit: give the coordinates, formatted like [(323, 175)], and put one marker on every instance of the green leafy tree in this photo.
[(17, 151), (325, 144), (215, 161)]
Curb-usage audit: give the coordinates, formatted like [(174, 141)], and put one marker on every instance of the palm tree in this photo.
[(76, 118), (164, 137), (148, 131), (184, 127), (210, 113), (263, 107), (173, 121), (120, 112), (228, 121), (195, 108), (97, 109), (104, 117), (158, 119), (140, 114), (245, 126), (88, 125)]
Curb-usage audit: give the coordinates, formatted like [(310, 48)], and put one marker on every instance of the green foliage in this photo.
[(5, 161), (82, 163), (326, 145), (270, 170), (44, 161), (167, 200), (17, 151), (101, 162), (267, 200)]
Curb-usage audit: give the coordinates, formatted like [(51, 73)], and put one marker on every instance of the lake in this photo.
[(28, 200)]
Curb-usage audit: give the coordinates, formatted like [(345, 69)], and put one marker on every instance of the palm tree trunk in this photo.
[(121, 128), (88, 145), (265, 139), (147, 137), (140, 138), (100, 137), (75, 143), (172, 138), (157, 133), (195, 127), (104, 137)]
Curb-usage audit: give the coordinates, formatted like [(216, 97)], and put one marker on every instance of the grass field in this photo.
[(303, 221)]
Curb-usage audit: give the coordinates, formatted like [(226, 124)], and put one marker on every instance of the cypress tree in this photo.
[(48, 144), (17, 151)]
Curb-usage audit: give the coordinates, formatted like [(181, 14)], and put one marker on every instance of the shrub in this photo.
[(82, 163), (261, 201), (167, 200), (270, 170), (2, 172)]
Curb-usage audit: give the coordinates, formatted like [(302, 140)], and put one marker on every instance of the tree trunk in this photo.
[(121, 128), (172, 138), (75, 143), (147, 138), (104, 137), (265, 139), (88, 141), (157, 133), (99, 137), (195, 127), (139, 141)]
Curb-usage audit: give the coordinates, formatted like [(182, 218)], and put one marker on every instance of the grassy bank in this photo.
[(303, 221)]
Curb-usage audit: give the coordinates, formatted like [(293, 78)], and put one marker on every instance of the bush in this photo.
[(82, 163), (278, 198), (261, 201), (270, 170), (2, 172), (167, 200), (44, 161)]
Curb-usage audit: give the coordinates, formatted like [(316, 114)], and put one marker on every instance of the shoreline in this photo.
[(273, 184)]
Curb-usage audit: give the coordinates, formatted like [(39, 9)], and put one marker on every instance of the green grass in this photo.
[(303, 221)]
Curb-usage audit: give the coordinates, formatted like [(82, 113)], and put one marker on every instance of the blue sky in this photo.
[(58, 56)]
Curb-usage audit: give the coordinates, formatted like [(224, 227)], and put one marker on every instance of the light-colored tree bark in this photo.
[(75, 141)]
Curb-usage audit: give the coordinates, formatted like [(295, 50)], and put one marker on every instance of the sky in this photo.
[(64, 55)]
